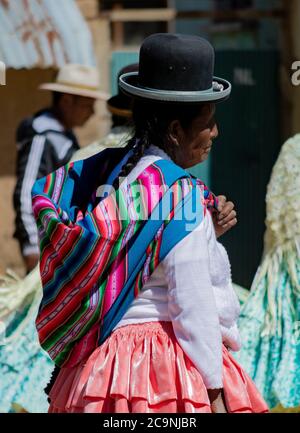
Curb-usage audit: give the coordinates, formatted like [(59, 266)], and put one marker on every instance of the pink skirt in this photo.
[(142, 369)]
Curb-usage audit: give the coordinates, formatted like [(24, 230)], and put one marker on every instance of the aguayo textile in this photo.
[(98, 249)]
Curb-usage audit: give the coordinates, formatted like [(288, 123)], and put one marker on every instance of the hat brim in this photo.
[(61, 88), (118, 105), (218, 93)]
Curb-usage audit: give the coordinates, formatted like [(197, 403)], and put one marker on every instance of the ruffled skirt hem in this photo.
[(141, 368)]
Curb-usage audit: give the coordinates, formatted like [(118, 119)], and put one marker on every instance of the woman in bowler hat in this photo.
[(161, 308)]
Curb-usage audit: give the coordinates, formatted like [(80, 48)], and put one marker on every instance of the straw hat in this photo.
[(78, 80)]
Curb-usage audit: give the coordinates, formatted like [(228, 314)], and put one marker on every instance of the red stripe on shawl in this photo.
[(80, 275), (84, 319), (72, 304), (83, 347), (78, 278), (48, 183), (48, 263), (73, 233)]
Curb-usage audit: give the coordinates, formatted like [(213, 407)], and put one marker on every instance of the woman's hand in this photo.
[(225, 218), (216, 401)]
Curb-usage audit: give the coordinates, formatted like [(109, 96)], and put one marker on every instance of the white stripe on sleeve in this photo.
[(31, 172)]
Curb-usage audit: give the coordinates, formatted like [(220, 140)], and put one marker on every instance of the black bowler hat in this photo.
[(120, 104), (176, 68)]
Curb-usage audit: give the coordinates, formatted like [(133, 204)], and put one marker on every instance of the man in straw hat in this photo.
[(46, 141), (120, 108)]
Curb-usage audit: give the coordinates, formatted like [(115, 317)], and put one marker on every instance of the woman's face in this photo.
[(192, 145)]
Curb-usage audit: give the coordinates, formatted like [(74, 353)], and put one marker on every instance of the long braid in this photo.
[(152, 121), (138, 145)]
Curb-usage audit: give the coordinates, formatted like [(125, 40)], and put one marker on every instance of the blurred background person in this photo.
[(46, 141), (120, 108), (270, 318)]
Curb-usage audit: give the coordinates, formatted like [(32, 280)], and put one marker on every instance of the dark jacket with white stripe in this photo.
[(43, 145)]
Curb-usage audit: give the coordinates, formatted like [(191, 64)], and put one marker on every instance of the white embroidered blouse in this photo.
[(192, 288)]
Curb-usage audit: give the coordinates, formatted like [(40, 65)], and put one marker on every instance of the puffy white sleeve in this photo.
[(227, 302), (192, 306)]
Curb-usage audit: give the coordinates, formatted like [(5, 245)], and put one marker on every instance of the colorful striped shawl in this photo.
[(96, 254)]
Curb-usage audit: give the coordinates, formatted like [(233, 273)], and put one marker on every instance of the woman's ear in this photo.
[(176, 132)]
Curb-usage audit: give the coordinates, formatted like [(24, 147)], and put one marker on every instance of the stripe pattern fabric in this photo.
[(96, 255), (32, 168)]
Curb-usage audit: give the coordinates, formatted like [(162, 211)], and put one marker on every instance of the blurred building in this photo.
[(36, 38)]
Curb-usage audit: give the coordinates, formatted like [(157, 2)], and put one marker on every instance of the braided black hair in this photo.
[(151, 121)]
